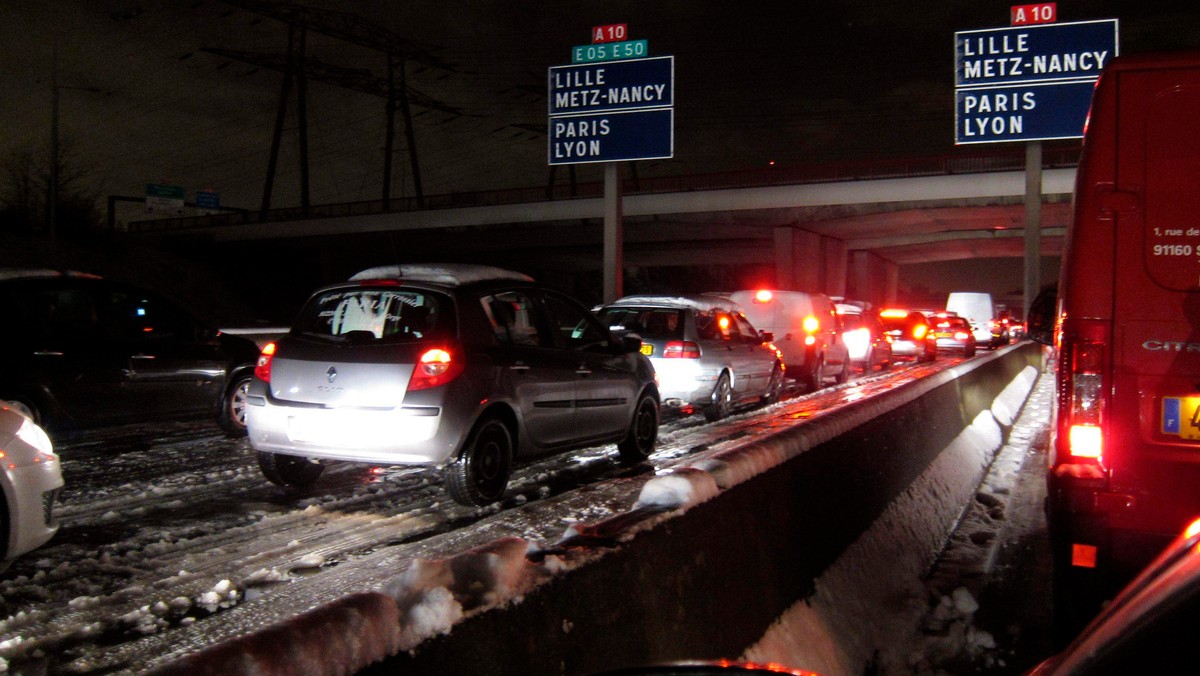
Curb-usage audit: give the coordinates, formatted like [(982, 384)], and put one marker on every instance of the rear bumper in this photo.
[(404, 435)]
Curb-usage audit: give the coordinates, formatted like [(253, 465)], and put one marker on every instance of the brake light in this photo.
[(763, 296), (919, 331), (961, 335), (811, 324), (435, 367), (262, 368), (1085, 392), (681, 349)]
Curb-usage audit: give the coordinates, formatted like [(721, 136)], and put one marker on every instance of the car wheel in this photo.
[(969, 352), (289, 471), (814, 379), (721, 400), (638, 444), (480, 473), (843, 375), (774, 387), (232, 417)]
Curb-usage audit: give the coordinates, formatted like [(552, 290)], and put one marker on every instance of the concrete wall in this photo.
[(710, 582)]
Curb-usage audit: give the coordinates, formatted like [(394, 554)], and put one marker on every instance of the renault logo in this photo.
[(331, 374)]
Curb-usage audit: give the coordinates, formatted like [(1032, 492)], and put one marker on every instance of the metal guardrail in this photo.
[(936, 165)]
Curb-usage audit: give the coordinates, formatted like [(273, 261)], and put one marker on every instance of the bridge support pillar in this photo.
[(806, 261), (872, 279)]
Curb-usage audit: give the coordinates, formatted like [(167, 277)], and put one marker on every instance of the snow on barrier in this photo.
[(777, 547)]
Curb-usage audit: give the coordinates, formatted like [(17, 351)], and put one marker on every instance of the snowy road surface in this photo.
[(170, 529)]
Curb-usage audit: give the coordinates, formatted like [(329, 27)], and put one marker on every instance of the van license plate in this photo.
[(647, 349), (1181, 417)]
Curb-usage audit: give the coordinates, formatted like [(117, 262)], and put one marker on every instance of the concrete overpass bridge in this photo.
[(844, 234)]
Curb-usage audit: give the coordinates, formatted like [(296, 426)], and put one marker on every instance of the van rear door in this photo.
[(1155, 423)]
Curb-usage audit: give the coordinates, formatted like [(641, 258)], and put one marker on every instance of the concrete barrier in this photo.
[(710, 582)]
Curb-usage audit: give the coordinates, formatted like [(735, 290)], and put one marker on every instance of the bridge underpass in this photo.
[(846, 238)]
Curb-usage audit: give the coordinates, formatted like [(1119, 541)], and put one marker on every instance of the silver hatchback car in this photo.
[(707, 354), (462, 367)]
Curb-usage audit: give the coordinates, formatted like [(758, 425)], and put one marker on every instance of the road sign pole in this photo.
[(614, 234), (1033, 221)]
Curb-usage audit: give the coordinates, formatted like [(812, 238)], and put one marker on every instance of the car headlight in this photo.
[(32, 434)]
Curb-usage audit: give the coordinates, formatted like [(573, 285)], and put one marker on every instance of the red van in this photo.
[(1124, 460)]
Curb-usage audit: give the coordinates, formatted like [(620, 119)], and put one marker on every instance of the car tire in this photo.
[(479, 475), (774, 387), (289, 471), (814, 379), (639, 442), (969, 352), (721, 400), (232, 417), (843, 376)]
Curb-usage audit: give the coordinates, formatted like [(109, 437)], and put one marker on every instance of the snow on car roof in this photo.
[(704, 303), (450, 274)]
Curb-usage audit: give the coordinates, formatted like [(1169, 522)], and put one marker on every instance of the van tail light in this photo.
[(919, 331), (681, 349), (262, 368), (435, 367), (1085, 408)]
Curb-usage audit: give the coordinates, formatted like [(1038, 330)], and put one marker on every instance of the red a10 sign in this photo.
[(615, 32), (1045, 12)]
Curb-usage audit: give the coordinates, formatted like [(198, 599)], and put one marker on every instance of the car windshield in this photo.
[(649, 323), (372, 314)]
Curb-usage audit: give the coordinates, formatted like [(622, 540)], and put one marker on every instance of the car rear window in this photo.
[(372, 314), (649, 323), (851, 322)]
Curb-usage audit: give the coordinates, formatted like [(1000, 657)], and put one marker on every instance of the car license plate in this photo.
[(647, 349), (1181, 417)]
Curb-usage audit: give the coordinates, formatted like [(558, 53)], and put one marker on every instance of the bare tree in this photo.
[(25, 194)]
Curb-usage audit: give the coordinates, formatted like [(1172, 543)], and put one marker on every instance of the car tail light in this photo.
[(763, 296), (1085, 412), (681, 349), (262, 368), (435, 367), (961, 335), (919, 331)]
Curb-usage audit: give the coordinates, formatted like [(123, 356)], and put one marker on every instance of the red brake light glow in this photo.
[(763, 296), (811, 324), (1085, 412), (681, 349), (262, 368), (435, 367)]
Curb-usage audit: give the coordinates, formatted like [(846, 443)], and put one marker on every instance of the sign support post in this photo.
[(614, 234), (1033, 222)]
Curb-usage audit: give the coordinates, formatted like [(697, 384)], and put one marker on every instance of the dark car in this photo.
[(1148, 628), (909, 331), (81, 351), (953, 334), (458, 367)]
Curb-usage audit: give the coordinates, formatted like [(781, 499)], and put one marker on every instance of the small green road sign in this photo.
[(609, 51)]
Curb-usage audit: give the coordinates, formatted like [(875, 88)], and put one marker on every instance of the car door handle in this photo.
[(519, 367)]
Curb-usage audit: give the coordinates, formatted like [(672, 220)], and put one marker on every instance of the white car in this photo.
[(31, 477)]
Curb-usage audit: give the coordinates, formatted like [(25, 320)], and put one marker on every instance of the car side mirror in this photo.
[(630, 342), (767, 336)]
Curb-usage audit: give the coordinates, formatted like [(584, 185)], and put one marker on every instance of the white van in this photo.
[(807, 332), (978, 308)]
